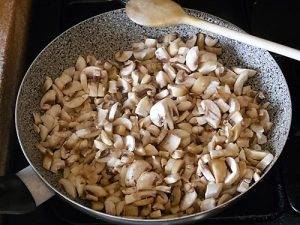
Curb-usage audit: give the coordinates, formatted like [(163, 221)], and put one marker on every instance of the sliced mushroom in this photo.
[(162, 79), (162, 54), (146, 181), (235, 173), (128, 69), (69, 187), (208, 204), (130, 142), (143, 107), (135, 170), (188, 199), (47, 84), (262, 165), (212, 112), (203, 169), (239, 83), (201, 84), (161, 113), (123, 56), (48, 99), (123, 122), (177, 90), (209, 41), (192, 58), (219, 169), (213, 190), (170, 143)]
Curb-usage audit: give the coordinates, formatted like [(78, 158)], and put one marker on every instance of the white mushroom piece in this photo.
[(188, 199), (123, 56), (161, 113), (235, 173), (192, 58), (143, 107), (135, 170), (212, 112)]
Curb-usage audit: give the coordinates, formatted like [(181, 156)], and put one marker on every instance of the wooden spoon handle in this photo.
[(242, 37)]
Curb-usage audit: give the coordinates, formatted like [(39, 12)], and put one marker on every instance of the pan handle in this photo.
[(22, 192)]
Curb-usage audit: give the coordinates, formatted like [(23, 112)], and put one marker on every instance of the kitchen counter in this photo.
[(14, 18)]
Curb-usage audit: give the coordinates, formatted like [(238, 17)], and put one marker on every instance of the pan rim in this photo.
[(195, 216)]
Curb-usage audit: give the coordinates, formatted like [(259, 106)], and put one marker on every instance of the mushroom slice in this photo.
[(211, 89), (224, 198), (250, 72), (146, 181), (170, 71), (188, 199), (113, 111), (234, 105), (213, 190), (173, 166), (163, 94), (203, 169), (212, 112), (191, 59), (209, 41), (126, 87), (262, 165), (207, 67), (162, 79), (235, 171), (170, 143), (135, 170), (48, 99), (207, 56), (236, 117), (105, 138), (96, 190), (173, 48), (112, 87), (208, 204), (47, 84), (222, 105), (239, 83), (62, 80), (243, 185), (143, 107), (69, 187), (73, 88), (102, 113), (150, 42), (76, 102), (161, 113), (254, 154), (139, 195), (127, 69), (172, 178), (177, 90), (162, 54), (191, 41), (130, 143), (124, 122), (200, 41), (201, 84), (219, 169), (123, 56)]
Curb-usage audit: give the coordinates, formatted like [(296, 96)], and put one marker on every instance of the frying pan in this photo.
[(103, 35)]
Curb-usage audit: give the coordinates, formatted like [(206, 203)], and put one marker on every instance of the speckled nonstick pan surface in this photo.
[(106, 33)]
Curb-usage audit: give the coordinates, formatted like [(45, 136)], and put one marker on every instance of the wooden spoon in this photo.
[(158, 13)]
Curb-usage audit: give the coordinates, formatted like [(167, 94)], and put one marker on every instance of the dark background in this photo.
[(276, 20)]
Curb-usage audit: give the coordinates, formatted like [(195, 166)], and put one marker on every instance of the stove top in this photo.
[(276, 199)]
